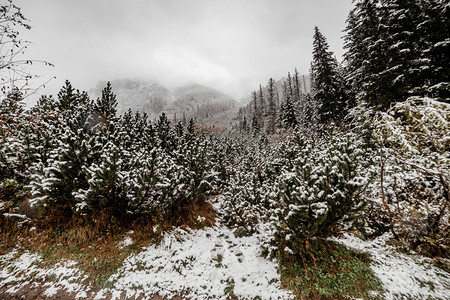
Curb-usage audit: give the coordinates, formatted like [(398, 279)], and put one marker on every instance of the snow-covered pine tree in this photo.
[(298, 99), (255, 125), (434, 39), (287, 110), (165, 133), (106, 106), (262, 104), (402, 45), (328, 84), (271, 107), (67, 97), (396, 49), (364, 45), (323, 187), (54, 185), (108, 189)]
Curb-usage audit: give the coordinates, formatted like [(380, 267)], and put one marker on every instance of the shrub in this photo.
[(413, 137), (325, 187)]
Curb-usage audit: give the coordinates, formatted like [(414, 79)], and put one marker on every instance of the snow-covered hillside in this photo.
[(190, 101)]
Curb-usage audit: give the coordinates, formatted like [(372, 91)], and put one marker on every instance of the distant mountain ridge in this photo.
[(189, 101), (149, 97)]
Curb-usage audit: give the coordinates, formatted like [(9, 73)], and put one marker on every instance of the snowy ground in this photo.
[(210, 263), (207, 263), (403, 276), (18, 272)]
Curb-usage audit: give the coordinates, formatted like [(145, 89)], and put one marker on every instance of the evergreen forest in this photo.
[(358, 147)]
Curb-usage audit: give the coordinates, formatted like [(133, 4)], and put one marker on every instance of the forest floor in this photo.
[(212, 262)]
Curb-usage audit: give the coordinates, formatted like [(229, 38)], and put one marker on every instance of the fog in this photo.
[(230, 45)]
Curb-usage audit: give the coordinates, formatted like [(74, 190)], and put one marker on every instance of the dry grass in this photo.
[(96, 247)]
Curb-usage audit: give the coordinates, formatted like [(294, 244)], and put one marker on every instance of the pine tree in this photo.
[(287, 111), (262, 104), (12, 105), (298, 98), (107, 189), (402, 71), (364, 46), (255, 120), (328, 85), (165, 133), (271, 109), (255, 125), (106, 106), (396, 49), (179, 129), (433, 33), (67, 97), (244, 124), (322, 187)]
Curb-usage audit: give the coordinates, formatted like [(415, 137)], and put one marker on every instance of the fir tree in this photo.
[(328, 86), (67, 97), (287, 111), (262, 104), (255, 115), (255, 125), (298, 98), (396, 49), (271, 109), (106, 106), (165, 133), (364, 47), (12, 105)]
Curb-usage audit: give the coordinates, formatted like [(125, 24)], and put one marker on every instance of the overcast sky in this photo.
[(231, 45)]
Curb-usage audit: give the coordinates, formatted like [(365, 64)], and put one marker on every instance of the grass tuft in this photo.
[(331, 272)]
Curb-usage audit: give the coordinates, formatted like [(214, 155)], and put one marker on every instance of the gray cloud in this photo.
[(232, 45)]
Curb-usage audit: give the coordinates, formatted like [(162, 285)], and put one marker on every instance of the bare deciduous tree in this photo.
[(14, 68)]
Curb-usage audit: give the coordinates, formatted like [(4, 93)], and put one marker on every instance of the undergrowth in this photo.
[(331, 272)]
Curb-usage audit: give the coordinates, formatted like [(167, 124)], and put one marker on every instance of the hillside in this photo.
[(185, 102), (149, 97)]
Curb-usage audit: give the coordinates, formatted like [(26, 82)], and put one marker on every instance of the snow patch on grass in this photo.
[(127, 241), (403, 276), (200, 264), (21, 270)]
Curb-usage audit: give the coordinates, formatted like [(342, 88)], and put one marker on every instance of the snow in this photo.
[(200, 264), (403, 276), (201, 219), (17, 216), (127, 241), (212, 263), (19, 271)]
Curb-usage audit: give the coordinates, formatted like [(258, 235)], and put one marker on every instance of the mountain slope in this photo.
[(190, 101), (149, 97)]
